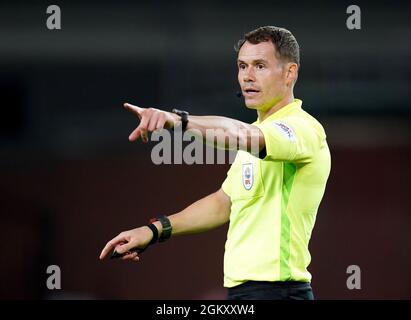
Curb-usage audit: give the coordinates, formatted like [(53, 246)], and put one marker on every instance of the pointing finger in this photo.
[(133, 109), (111, 245)]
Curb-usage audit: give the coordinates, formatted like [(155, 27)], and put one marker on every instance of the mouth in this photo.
[(250, 92)]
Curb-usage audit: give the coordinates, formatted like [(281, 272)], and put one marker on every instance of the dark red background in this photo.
[(64, 212)]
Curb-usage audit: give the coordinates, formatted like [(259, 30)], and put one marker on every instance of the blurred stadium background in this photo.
[(70, 180)]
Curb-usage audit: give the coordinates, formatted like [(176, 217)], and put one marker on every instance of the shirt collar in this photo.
[(284, 111)]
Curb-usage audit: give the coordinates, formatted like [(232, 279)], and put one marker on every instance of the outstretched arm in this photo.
[(205, 214), (226, 132)]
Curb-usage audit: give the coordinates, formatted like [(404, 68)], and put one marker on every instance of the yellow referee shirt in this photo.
[(274, 201)]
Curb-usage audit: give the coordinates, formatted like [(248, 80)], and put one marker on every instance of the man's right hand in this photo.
[(151, 119), (127, 240)]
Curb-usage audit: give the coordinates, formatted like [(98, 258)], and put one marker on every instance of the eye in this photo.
[(241, 66), (260, 66)]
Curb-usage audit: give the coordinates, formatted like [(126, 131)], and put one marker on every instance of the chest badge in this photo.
[(248, 175)]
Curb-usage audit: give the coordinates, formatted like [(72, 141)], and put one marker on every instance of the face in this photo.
[(263, 78)]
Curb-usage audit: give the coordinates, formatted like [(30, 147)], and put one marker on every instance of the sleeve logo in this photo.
[(285, 130), (248, 176)]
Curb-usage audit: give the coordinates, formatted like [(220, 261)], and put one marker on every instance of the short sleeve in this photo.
[(293, 139), (227, 183)]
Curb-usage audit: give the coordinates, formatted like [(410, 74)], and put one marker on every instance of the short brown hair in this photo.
[(286, 45)]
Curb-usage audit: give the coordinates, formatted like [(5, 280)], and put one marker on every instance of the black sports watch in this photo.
[(184, 117), (167, 229)]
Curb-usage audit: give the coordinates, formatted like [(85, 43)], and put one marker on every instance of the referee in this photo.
[(271, 195)]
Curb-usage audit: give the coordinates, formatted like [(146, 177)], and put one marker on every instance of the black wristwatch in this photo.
[(167, 229), (184, 117)]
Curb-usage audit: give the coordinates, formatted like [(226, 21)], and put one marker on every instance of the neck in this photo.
[(264, 114)]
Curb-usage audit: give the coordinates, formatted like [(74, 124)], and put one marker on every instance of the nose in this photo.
[(249, 75)]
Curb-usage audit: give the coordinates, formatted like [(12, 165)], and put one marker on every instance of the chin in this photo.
[(252, 105)]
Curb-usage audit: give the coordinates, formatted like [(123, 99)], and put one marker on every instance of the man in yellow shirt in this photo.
[(274, 187)]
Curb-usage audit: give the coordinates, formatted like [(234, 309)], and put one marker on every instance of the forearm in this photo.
[(226, 133), (205, 214), (220, 132)]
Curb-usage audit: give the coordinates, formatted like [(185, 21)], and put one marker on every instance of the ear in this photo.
[(292, 73)]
